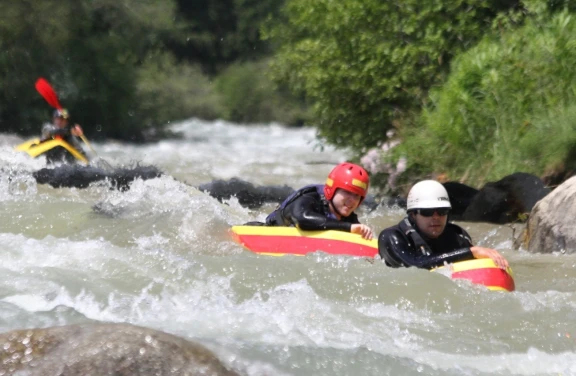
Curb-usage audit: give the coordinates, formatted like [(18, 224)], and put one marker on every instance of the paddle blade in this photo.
[(47, 93)]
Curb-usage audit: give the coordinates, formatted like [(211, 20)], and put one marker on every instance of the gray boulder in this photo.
[(103, 349), (551, 224)]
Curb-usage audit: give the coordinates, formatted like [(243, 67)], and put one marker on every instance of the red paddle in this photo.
[(48, 93)]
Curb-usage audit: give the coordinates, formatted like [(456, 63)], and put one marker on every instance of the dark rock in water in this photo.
[(506, 200), (104, 349), (247, 194), (498, 202), (77, 176), (253, 197), (461, 197)]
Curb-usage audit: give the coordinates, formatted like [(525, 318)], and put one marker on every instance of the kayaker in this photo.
[(327, 206), (425, 238), (59, 128)]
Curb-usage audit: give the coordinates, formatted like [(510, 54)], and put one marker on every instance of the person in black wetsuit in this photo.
[(59, 128), (425, 238), (329, 206)]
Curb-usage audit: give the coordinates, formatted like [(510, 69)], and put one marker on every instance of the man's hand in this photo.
[(77, 131), (481, 252), (363, 230)]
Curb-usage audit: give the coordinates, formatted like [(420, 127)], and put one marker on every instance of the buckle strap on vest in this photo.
[(415, 237)]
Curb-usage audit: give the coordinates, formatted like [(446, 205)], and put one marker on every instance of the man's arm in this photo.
[(483, 252), (306, 213), (396, 250)]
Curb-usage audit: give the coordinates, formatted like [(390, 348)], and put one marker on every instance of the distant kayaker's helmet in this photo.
[(61, 113), (349, 177), (428, 194)]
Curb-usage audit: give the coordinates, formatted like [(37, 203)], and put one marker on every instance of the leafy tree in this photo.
[(249, 96), (169, 90), (30, 42), (218, 33), (111, 63), (107, 47), (90, 50), (366, 66), (508, 106)]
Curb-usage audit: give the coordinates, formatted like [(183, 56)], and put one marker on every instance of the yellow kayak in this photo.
[(34, 148)]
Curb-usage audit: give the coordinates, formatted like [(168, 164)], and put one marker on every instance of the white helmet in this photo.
[(428, 194)]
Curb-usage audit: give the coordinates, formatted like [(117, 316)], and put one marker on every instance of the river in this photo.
[(159, 255)]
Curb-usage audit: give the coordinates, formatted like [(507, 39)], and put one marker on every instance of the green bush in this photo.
[(367, 65), (89, 50), (111, 65), (169, 91), (216, 33), (249, 96), (507, 106)]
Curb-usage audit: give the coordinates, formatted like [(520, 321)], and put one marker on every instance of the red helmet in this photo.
[(348, 176)]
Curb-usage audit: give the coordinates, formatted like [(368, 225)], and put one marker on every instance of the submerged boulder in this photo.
[(104, 349), (551, 227), (78, 176), (248, 194)]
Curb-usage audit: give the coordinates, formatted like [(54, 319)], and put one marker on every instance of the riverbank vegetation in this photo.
[(508, 105), (473, 89)]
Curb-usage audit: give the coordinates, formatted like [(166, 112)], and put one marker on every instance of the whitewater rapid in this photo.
[(159, 255)]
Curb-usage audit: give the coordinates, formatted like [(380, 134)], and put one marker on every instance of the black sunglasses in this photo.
[(430, 212)]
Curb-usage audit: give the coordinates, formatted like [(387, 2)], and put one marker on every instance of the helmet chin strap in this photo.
[(334, 208)]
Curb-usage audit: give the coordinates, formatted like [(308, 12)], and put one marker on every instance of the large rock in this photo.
[(461, 196), (104, 349), (551, 224), (506, 200)]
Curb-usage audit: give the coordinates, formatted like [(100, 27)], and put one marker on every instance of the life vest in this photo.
[(272, 218), (417, 240)]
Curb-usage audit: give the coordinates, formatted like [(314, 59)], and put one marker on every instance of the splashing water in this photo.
[(159, 255)]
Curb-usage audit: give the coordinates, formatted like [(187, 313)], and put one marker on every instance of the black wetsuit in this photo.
[(403, 245), (309, 210)]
